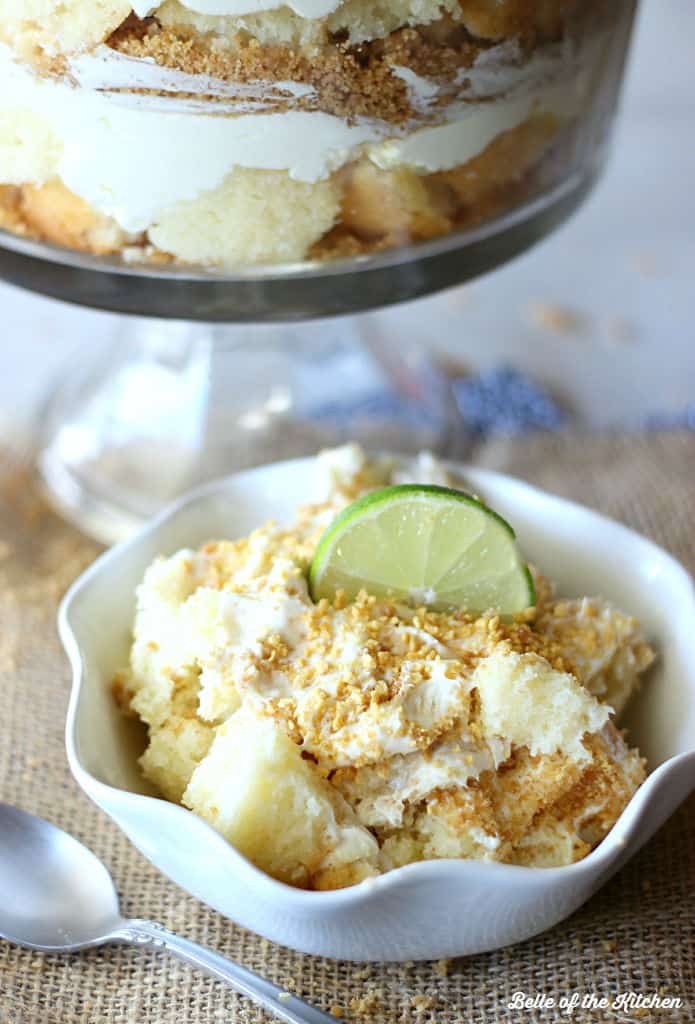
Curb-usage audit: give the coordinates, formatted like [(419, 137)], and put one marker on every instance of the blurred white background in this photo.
[(602, 313)]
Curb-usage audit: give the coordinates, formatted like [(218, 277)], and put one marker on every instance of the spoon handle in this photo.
[(271, 997)]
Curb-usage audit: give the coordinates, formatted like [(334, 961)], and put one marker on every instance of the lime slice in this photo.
[(423, 545)]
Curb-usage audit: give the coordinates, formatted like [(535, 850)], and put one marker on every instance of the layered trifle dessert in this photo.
[(224, 133), (352, 692)]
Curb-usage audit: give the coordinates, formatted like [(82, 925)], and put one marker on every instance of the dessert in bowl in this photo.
[(285, 774), (330, 740), (246, 132)]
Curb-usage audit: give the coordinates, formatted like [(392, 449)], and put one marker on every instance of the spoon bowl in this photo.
[(54, 893)]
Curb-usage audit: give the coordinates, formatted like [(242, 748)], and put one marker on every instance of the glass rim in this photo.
[(395, 256)]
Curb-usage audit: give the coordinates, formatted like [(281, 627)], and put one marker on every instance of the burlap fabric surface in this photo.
[(637, 934)]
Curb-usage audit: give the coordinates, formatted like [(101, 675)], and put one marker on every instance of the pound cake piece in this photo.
[(253, 217), (40, 30), (255, 788), (58, 215), (606, 647)]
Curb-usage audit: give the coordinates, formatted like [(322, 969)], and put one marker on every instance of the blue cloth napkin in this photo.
[(498, 402), (505, 401)]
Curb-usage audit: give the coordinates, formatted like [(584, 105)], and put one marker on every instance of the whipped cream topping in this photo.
[(223, 633), (381, 794)]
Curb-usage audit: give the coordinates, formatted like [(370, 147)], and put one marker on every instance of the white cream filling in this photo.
[(221, 8), (106, 70), (495, 73), (457, 142), (422, 91), (380, 794), (133, 156)]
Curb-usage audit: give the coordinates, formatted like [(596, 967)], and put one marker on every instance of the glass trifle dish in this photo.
[(228, 133), (233, 162)]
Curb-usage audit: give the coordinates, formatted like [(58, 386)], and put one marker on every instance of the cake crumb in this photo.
[(366, 1004), (421, 1003), (558, 319), (336, 1011), (442, 967)]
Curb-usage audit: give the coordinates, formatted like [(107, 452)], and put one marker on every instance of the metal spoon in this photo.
[(56, 897)]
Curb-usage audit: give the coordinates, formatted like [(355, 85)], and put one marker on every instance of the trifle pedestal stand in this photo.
[(209, 374)]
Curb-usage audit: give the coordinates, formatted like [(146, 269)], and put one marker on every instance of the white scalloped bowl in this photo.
[(427, 910)]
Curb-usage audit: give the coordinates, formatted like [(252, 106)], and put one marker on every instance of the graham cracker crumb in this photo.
[(558, 319), (347, 81), (366, 1004)]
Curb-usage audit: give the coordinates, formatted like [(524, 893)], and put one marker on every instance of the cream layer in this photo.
[(133, 156), (233, 8)]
